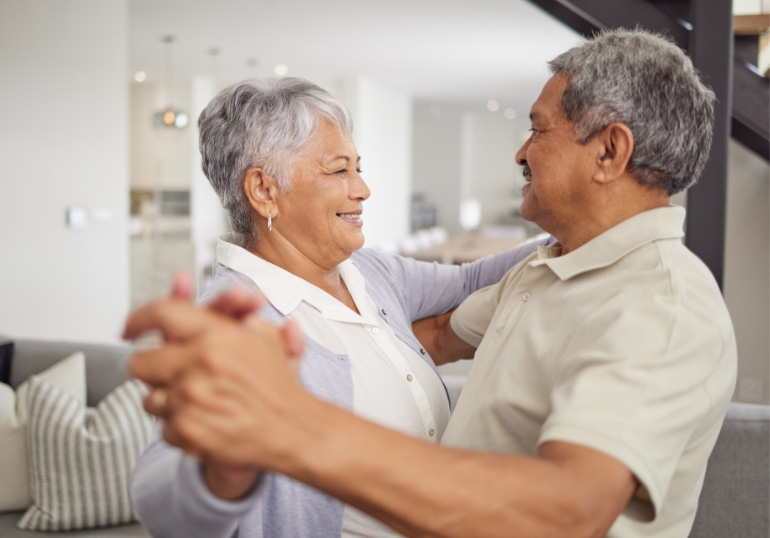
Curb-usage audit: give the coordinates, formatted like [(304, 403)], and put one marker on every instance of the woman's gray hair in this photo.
[(260, 124), (647, 83)]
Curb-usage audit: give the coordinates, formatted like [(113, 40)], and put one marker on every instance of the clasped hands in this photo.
[(220, 382)]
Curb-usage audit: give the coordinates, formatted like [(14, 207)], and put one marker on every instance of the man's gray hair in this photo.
[(647, 83), (260, 124)]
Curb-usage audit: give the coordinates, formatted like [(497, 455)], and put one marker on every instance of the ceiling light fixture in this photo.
[(281, 70), (169, 116), (493, 105), (140, 76), (510, 113)]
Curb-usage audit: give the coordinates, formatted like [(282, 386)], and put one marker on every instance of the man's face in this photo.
[(558, 169)]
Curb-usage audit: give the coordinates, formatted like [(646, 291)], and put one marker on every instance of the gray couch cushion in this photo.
[(735, 501), (105, 363), (8, 529)]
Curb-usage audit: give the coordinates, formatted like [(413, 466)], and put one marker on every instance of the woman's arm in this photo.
[(427, 289), (440, 341), (170, 497)]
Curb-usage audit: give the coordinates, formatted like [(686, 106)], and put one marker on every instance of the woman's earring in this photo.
[(269, 223)]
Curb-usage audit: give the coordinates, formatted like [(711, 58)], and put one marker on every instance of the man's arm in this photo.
[(231, 396), (440, 341), (426, 490)]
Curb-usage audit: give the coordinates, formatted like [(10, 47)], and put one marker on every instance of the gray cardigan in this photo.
[(166, 488)]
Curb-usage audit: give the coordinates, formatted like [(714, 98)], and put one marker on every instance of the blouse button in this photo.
[(376, 330), (409, 377), (432, 432), (422, 351), (526, 296)]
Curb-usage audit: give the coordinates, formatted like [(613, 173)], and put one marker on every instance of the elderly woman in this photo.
[(280, 156)]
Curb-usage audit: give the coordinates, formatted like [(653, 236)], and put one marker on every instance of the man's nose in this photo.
[(521, 155)]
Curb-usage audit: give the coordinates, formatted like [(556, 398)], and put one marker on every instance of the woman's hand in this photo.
[(226, 390), (185, 392)]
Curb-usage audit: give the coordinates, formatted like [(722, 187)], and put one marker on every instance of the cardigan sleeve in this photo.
[(427, 289), (171, 499)]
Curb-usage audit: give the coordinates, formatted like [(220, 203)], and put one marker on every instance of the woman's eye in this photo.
[(359, 171)]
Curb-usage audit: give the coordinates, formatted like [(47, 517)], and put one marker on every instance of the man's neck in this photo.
[(607, 211)]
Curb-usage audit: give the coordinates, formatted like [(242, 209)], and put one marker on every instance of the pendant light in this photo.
[(169, 116)]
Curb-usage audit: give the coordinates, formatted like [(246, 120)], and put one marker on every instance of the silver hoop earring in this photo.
[(269, 223)]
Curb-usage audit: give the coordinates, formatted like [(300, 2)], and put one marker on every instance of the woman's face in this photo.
[(321, 214)]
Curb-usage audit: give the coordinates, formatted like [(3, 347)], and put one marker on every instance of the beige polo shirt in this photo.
[(623, 345)]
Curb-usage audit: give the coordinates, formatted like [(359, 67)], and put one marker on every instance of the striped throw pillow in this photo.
[(80, 458)]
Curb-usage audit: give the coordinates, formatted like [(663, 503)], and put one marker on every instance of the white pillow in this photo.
[(80, 458), (68, 375)]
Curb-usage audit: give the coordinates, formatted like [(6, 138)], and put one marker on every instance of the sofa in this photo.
[(105, 370), (735, 501)]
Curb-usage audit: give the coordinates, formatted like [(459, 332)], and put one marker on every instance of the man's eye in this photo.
[(534, 131), (342, 172)]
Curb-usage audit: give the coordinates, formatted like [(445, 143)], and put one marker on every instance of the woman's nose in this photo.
[(359, 190)]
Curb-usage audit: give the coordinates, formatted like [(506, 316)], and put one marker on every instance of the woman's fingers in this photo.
[(159, 367), (177, 319), (237, 302), (182, 286), (292, 339)]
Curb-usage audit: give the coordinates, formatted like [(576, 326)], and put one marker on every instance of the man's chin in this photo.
[(526, 212)]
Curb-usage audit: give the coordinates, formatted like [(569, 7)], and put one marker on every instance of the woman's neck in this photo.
[(291, 259)]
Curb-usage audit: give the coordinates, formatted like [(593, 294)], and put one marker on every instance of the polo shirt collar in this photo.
[(615, 243), (286, 291)]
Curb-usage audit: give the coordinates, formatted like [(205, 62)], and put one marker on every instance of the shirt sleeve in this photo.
[(639, 384), (170, 498), (472, 318)]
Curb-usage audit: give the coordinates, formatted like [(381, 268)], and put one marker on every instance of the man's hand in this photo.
[(224, 383), (230, 482)]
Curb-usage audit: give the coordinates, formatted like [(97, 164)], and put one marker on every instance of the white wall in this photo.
[(208, 218), (63, 140), (382, 118), (462, 153), (492, 175), (436, 160), (747, 266)]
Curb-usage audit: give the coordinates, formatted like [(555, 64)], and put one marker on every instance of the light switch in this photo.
[(77, 217)]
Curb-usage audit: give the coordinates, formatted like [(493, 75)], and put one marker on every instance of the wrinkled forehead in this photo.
[(329, 142)]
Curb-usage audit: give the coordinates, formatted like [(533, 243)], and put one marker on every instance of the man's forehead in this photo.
[(548, 104)]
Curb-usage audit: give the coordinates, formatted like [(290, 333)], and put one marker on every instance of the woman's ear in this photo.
[(615, 147), (261, 191)]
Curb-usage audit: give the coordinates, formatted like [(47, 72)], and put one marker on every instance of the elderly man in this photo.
[(605, 362)]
